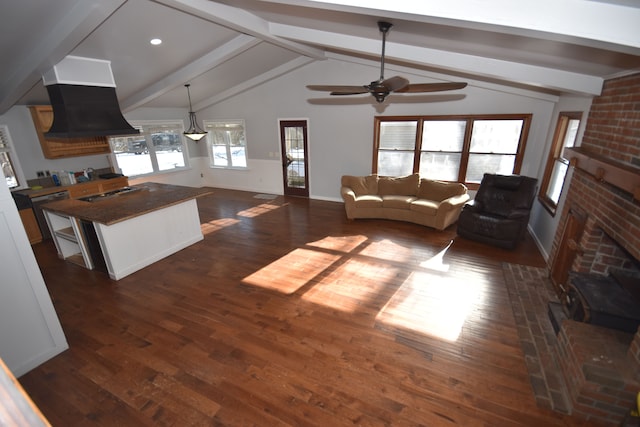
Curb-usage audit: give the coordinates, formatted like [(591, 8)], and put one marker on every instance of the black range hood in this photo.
[(82, 92), (86, 111)]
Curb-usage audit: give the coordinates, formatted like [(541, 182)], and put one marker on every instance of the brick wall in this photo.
[(613, 125), (612, 130), (611, 235)]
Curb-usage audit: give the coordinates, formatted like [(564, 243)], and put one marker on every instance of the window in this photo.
[(557, 166), (227, 143), (159, 147), (450, 148), (9, 160)]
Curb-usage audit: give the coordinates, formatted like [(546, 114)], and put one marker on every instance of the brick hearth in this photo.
[(597, 371)]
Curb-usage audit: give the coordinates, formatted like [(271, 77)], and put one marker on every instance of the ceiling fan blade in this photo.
[(431, 87), (395, 83), (339, 90)]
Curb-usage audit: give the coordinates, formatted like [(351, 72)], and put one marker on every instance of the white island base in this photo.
[(135, 243)]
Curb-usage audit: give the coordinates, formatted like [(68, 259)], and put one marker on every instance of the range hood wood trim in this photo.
[(42, 116), (605, 169)]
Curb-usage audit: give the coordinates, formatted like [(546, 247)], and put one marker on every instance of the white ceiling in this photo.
[(227, 46)]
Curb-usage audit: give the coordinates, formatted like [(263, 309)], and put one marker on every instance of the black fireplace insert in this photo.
[(611, 301)]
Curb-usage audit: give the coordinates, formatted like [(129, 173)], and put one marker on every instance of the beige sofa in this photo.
[(410, 198)]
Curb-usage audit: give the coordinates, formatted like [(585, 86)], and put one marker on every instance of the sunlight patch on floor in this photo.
[(353, 284), (341, 243), (396, 251), (292, 271), (433, 304), (218, 224), (258, 210), (436, 262)]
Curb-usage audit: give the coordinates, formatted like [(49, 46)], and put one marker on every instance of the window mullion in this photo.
[(466, 146), (418, 148), (152, 150)]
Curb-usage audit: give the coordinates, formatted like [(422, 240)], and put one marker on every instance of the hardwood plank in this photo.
[(287, 314)]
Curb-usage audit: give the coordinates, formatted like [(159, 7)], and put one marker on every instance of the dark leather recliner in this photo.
[(499, 214)]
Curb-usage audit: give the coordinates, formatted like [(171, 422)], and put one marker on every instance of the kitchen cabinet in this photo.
[(113, 184), (96, 187), (30, 225), (42, 116)]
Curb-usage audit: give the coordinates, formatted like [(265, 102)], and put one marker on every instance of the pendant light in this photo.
[(194, 132)]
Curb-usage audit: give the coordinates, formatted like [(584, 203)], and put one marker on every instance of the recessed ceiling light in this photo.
[(155, 42)]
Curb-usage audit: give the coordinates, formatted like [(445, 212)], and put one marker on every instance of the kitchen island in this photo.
[(128, 229)]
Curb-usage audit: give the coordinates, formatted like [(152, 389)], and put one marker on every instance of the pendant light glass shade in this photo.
[(194, 132)]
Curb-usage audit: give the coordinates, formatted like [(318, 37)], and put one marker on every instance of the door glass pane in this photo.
[(440, 166), (479, 164), (445, 135), (395, 163), (132, 155), (294, 146), (398, 135), (495, 136), (168, 147)]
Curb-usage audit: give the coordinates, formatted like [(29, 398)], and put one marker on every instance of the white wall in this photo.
[(542, 223), (341, 128)]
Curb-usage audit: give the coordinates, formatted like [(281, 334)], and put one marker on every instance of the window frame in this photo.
[(13, 157), (466, 146), (555, 155), (146, 127), (229, 165)]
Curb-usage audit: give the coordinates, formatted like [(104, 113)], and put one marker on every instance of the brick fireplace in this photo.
[(601, 366)]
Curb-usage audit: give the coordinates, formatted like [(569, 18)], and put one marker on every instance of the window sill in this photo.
[(236, 168)]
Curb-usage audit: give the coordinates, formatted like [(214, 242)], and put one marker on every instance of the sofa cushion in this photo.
[(399, 186), (361, 185), (426, 207), (397, 202), (368, 201), (439, 190)]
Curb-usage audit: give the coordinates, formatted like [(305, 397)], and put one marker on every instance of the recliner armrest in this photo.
[(518, 213), (473, 205)]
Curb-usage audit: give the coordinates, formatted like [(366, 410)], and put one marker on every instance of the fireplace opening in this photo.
[(603, 287), (610, 301)]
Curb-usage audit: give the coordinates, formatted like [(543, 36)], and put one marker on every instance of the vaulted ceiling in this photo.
[(225, 47)]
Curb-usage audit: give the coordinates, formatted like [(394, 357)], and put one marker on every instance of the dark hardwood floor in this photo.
[(287, 314)]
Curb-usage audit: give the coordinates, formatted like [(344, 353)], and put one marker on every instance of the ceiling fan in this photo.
[(382, 87)]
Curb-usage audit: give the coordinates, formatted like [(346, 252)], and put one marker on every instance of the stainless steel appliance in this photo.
[(37, 209)]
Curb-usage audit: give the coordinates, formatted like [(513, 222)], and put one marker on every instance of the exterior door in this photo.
[(295, 165)]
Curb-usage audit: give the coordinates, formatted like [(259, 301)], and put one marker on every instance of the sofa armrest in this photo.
[(454, 202), (348, 195)]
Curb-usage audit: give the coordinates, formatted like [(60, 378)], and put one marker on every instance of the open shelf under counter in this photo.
[(68, 238)]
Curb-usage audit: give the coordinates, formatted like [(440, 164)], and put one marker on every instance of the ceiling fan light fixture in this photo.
[(382, 87), (194, 132)]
